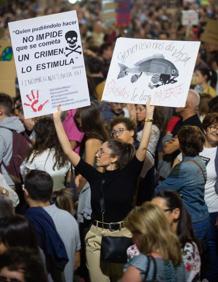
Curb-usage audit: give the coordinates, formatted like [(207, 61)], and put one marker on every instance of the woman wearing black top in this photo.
[(121, 166)]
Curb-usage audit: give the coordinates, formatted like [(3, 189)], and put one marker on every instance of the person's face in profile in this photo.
[(120, 132), (117, 108)]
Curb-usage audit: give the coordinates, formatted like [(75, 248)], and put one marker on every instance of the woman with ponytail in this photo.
[(180, 223), (205, 80), (115, 186)]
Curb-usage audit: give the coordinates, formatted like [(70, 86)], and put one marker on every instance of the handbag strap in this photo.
[(147, 268), (155, 268), (154, 274), (201, 169)]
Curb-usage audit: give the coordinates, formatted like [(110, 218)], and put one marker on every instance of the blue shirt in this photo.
[(188, 179), (166, 271)]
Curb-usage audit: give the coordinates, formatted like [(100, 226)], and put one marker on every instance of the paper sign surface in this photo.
[(49, 62), (141, 68)]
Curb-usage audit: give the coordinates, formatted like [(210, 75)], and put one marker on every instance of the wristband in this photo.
[(149, 120)]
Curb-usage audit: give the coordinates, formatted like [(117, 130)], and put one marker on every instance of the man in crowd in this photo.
[(38, 191), (188, 116)]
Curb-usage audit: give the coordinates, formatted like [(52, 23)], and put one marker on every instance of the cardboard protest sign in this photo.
[(141, 68), (210, 34), (190, 17), (49, 63), (7, 68)]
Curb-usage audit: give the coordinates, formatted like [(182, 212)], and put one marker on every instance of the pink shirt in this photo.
[(73, 133)]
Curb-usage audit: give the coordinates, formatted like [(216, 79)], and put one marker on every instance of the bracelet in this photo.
[(149, 120), (3, 191)]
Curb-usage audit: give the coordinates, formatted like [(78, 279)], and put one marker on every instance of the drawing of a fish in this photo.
[(162, 70)]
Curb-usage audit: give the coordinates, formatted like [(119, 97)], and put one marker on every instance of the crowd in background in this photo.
[(133, 171)]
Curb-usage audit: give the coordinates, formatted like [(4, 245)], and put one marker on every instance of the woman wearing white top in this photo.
[(47, 154), (210, 156)]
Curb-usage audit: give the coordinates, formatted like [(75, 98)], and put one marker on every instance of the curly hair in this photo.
[(210, 119)]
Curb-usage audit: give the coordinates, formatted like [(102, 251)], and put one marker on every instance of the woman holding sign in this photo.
[(111, 190)]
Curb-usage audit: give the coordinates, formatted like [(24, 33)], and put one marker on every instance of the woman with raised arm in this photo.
[(115, 185)]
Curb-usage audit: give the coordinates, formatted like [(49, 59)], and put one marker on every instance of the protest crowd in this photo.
[(113, 191)]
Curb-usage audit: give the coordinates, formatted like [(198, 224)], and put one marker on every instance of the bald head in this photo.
[(193, 100)]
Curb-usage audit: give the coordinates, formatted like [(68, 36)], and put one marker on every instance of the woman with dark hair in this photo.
[(116, 183), (47, 154), (6, 206), (16, 231), (89, 121), (205, 80), (124, 129), (180, 223), (204, 106), (21, 265), (188, 178)]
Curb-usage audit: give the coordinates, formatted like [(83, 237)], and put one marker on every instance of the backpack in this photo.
[(20, 146)]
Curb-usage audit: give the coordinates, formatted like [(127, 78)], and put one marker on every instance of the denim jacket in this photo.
[(188, 179)]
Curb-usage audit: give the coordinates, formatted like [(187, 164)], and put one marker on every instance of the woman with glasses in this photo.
[(124, 129), (180, 222), (116, 184)]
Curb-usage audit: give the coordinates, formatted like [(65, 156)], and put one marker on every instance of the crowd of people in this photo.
[(143, 174)]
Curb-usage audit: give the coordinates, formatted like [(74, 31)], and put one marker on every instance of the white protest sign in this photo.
[(141, 68), (49, 62), (190, 17)]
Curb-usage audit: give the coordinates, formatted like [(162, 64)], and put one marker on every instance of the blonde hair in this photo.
[(150, 224)]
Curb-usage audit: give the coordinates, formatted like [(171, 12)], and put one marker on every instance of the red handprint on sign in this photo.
[(34, 100)]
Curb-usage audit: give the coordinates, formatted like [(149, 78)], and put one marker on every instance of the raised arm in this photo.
[(65, 144), (142, 149)]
